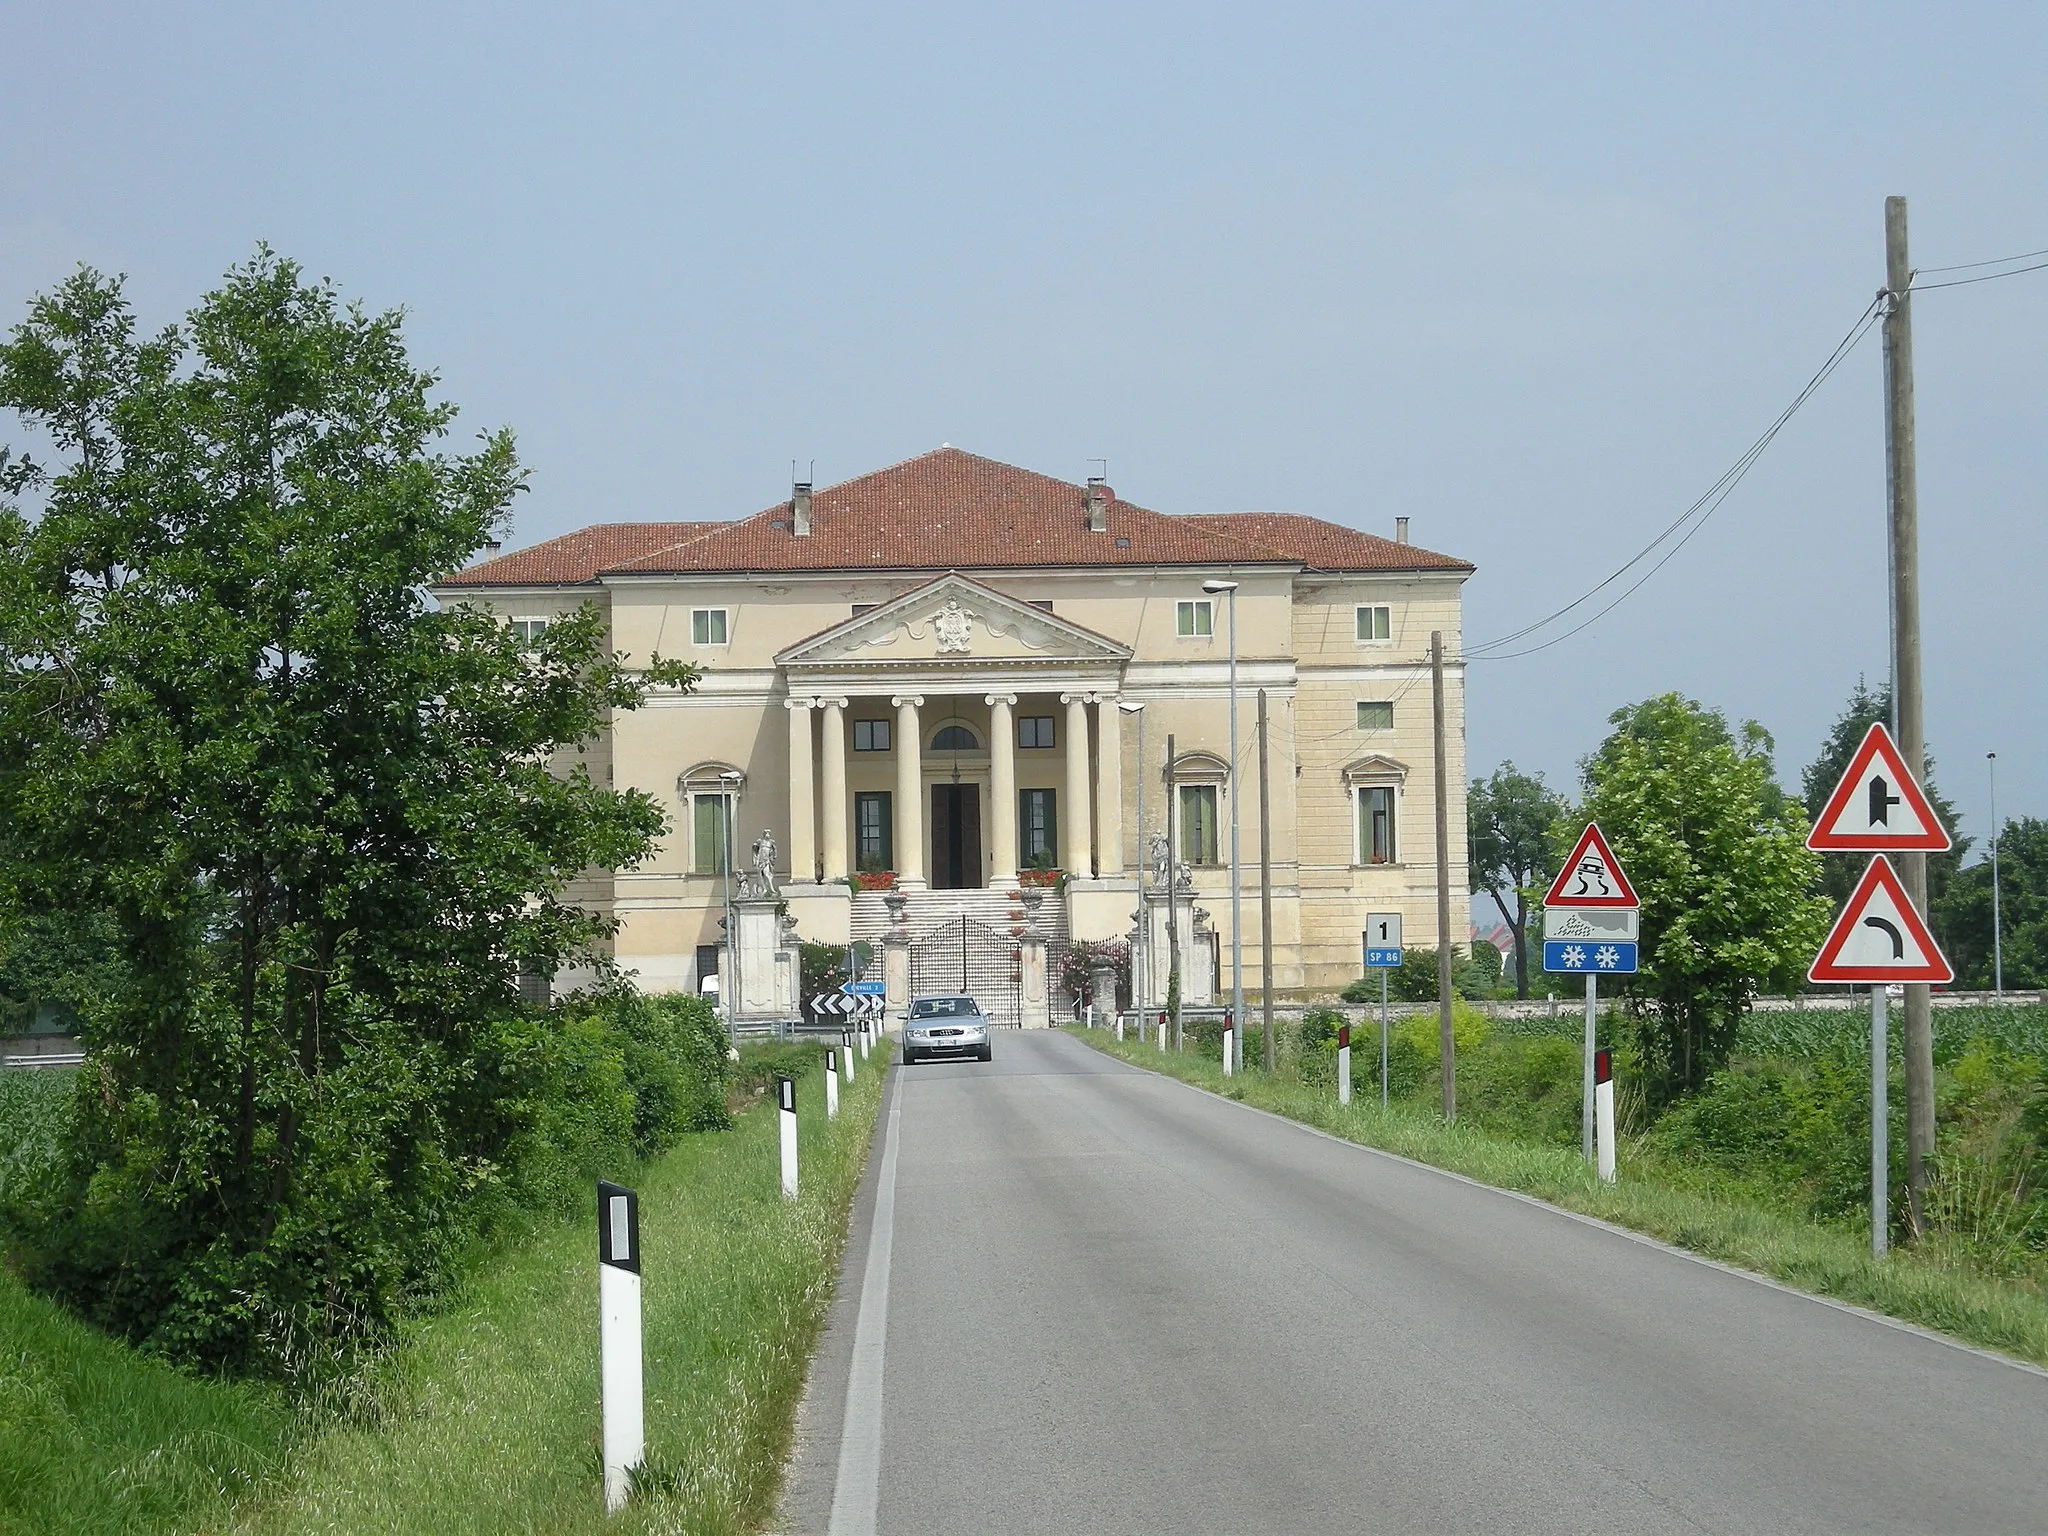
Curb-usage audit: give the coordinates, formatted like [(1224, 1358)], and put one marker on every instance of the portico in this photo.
[(950, 668)]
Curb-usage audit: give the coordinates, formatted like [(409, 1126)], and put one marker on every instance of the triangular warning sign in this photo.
[(1877, 808), (1879, 937), (1591, 877)]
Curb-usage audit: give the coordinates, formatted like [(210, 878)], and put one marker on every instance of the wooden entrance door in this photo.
[(956, 836)]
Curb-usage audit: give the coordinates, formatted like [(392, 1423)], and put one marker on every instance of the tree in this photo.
[(1964, 912), (1509, 819), (1716, 852), (1840, 871), (328, 820)]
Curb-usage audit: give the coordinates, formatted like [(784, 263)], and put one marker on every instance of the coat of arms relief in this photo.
[(953, 627)]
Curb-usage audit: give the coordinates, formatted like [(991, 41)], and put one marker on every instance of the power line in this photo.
[(1696, 514), (1961, 282), (1971, 266)]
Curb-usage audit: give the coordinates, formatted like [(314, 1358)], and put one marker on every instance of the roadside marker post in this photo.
[(1229, 1028), (1119, 1029), (1382, 954), (846, 1054), (1880, 939), (785, 1095), (1344, 1062), (624, 1431), (1603, 1101), (831, 1083), (1590, 925), (1162, 1029)]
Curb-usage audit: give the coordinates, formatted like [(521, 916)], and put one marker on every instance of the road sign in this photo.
[(1609, 925), (1591, 877), (1877, 807), (1584, 957), (863, 988), (833, 1005), (1382, 941), (1879, 937)]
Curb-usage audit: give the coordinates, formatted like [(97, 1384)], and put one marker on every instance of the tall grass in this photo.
[(486, 1419), (1691, 1207)]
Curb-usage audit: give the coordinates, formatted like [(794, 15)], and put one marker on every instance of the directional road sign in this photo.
[(1383, 941), (1608, 925), (830, 1005), (1586, 957), (1877, 807), (1879, 937), (864, 988), (1591, 877)]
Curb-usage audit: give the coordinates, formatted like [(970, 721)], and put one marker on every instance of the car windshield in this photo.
[(942, 1007)]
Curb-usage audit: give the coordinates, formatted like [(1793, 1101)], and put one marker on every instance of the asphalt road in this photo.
[(1116, 1304)]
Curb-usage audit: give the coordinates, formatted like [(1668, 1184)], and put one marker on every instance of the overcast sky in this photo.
[(1533, 281)]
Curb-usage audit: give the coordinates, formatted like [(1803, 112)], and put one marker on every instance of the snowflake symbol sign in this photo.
[(1607, 957), (1574, 957)]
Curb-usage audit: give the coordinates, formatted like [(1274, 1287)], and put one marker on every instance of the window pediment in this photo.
[(1199, 767), (1375, 768)]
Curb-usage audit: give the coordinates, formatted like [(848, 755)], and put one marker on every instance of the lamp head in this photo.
[(1130, 706), (1219, 586)]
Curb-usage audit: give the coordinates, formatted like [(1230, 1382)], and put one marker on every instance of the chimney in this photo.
[(800, 509), (1099, 498), (1400, 530)]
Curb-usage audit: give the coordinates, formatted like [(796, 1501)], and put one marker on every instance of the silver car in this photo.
[(946, 1024)]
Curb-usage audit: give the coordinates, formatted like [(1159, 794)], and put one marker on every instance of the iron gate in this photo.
[(962, 955)]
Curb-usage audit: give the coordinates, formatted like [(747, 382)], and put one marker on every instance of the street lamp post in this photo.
[(1136, 707), (728, 986), (1997, 937), (1236, 876)]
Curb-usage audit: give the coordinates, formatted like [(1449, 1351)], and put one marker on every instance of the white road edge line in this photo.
[(857, 1488), (1630, 1233)]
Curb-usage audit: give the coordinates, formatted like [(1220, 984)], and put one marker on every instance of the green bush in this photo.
[(1798, 1128)]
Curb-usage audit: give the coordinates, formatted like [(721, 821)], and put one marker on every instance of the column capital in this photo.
[(916, 700), (828, 701), (1085, 696), (999, 698), (802, 703)]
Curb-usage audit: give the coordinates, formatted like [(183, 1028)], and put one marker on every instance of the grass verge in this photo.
[(486, 1418), (1693, 1210)]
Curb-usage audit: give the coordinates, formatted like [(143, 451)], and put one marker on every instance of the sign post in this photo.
[(1590, 917), (618, 1320), (785, 1098), (1382, 954)]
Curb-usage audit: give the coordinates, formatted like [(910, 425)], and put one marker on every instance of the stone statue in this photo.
[(764, 863), (1160, 860)]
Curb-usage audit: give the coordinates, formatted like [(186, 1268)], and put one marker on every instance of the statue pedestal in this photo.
[(1197, 958), (1034, 997), (763, 973)]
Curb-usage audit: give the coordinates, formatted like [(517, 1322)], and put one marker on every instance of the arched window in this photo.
[(955, 738)]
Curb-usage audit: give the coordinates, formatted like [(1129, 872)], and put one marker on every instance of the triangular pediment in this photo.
[(953, 619), (1375, 767)]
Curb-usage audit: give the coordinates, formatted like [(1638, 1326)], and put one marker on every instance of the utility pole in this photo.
[(1265, 888), (1902, 479), (1997, 927), (1173, 888), (1443, 877)]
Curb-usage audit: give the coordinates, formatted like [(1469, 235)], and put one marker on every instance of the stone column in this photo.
[(1109, 787), (1002, 786), (1075, 830), (1034, 993), (803, 811), (838, 811), (909, 809)]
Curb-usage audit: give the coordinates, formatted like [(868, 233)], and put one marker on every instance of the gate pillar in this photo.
[(1034, 1000), (896, 976)]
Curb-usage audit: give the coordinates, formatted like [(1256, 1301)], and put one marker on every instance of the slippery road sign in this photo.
[(1877, 807), (1591, 877), (1879, 937)]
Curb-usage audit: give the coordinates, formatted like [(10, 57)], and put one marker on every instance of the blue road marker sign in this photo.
[(1589, 956), (1382, 959), (864, 988)]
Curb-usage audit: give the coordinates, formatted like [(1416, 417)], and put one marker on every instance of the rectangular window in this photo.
[(1037, 829), (874, 842), (1376, 824), (871, 735), (1376, 622), (1194, 620), (1198, 823), (1375, 715), (528, 630), (1034, 730), (711, 846), (707, 626)]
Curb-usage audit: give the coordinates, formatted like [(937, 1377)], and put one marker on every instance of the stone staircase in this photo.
[(987, 950), (926, 910)]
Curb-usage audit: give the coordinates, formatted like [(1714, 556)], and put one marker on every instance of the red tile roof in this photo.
[(951, 510)]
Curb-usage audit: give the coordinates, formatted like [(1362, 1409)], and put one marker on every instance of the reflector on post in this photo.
[(618, 1300)]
